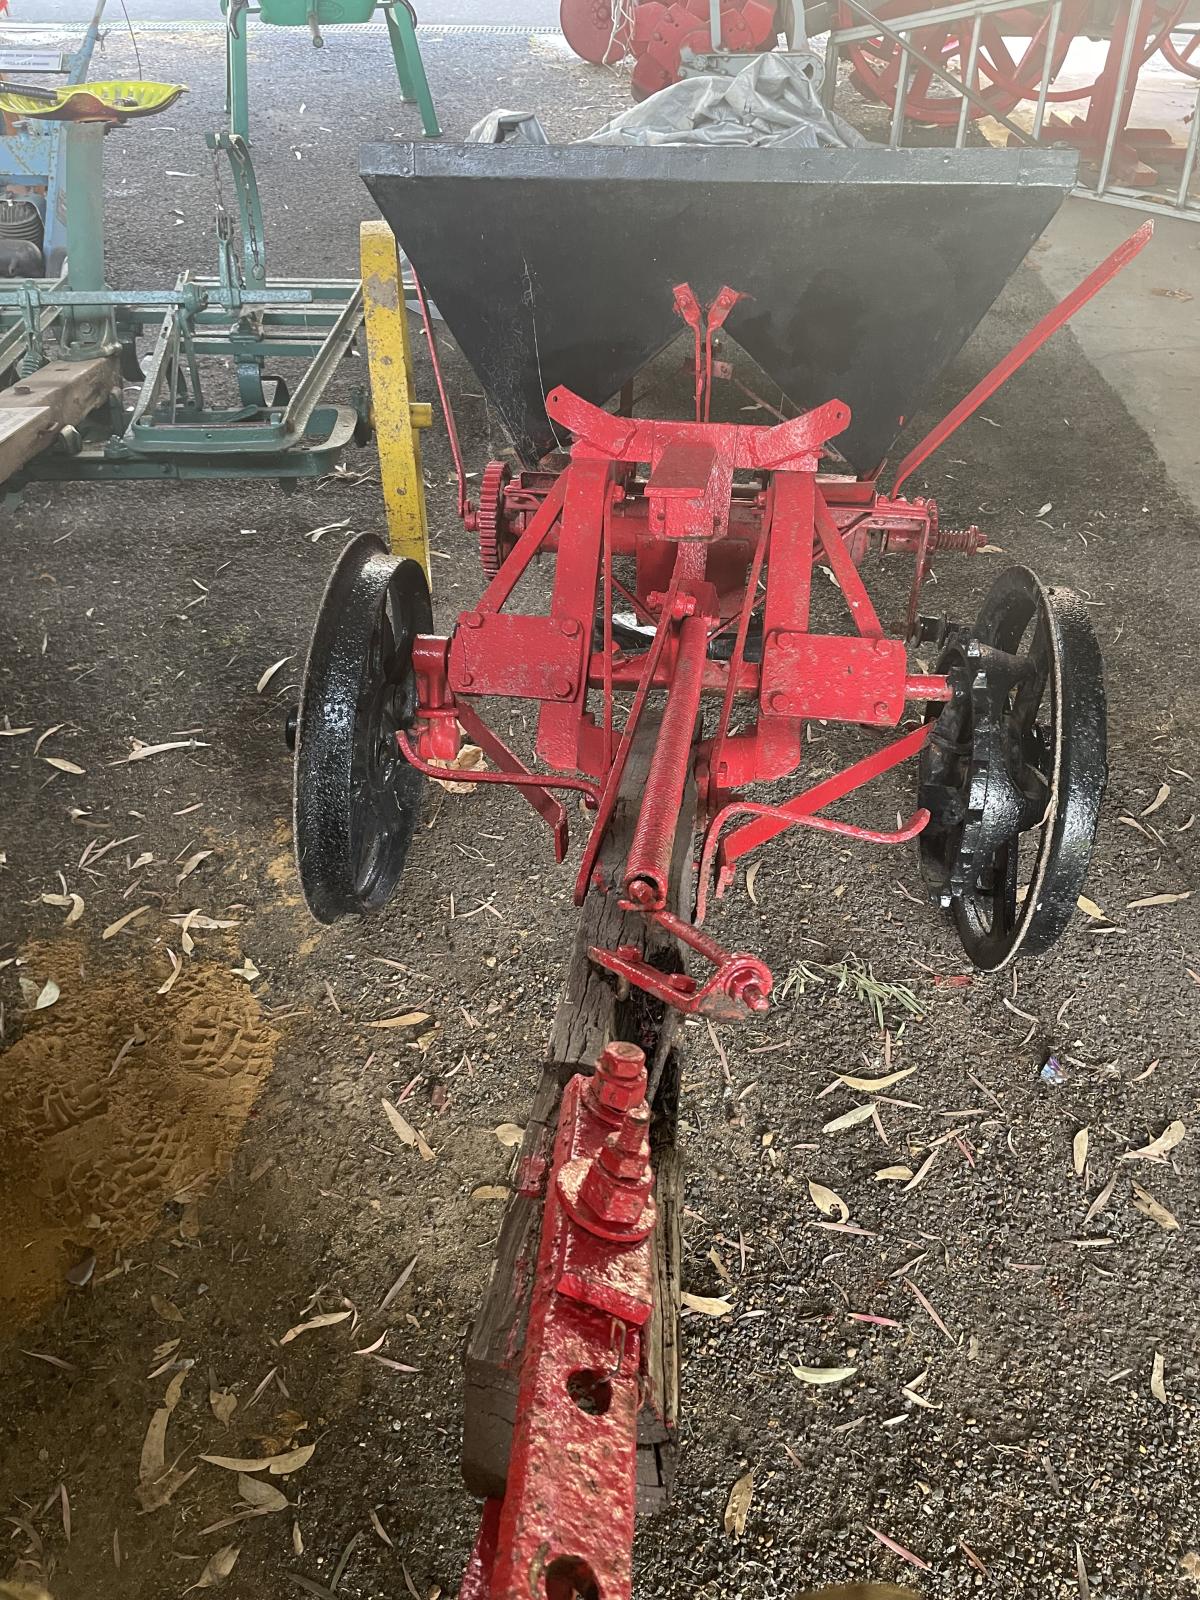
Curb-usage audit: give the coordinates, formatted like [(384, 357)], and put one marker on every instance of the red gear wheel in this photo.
[(495, 479)]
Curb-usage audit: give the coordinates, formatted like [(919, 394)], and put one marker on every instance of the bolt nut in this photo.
[(881, 708), (466, 679), (569, 627), (471, 619), (620, 1059), (563, 687), (777, 700)]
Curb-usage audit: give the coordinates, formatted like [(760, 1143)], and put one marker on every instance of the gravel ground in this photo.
[(1030, 1454)]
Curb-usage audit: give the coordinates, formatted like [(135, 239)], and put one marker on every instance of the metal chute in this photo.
[(864, 271)]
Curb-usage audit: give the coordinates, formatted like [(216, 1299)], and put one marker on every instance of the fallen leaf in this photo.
[(1160, 800), (1167, 1140), (176, 969), (1049, 506), (270, 673), (706, 1305), (190, 865), (1158, 900), (751, 878), (823, 1375), (870, 1085), (379, 1527), (218, 1568), (1101, 1200), (412, 1137), (247, 970), (289, 1461), (923, 1170), (141, 751), (738, 1504), (893, 1175), (175, 1388), (47, 995), (1091, 909), (60, 764), (468, 759), (509, 1134), (196, 919), (326, 1320), (407, 1019), (490, 1191), (166, 1309), (1145, 1202), (314, 534), (1079, 1151), (223, 1405), (75, 902), (849, 1119), (897, 1549), (263, 1495), (114, 928), (154, 1447), (405, 1275), (1173, 294), (827, 1202), (1158, 1387)]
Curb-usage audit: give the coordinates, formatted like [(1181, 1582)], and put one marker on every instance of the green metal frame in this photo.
[(240, 316)]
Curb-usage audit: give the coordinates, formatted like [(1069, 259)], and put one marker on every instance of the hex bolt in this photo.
[(778, 701), (569, 626), (563, 687), (881, 708), (472, 619), (466, 679), (618, 1182), (619, 1082)]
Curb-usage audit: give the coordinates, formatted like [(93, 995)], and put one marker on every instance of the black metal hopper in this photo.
[(866, 270)]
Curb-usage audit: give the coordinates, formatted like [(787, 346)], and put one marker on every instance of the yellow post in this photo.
[(398, 415)]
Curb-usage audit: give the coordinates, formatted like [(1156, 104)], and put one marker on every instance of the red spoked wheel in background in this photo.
[(1001, 79), (662, 32), (588, 27)]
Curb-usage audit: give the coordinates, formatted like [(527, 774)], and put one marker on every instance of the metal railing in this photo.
[(1105, 155)]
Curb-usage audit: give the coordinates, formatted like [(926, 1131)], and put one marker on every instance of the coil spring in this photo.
[(965, 541)]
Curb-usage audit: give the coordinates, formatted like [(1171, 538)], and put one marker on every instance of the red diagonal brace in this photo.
[(1021, 352)]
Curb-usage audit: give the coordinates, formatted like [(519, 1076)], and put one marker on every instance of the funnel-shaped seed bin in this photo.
[(865, 271)]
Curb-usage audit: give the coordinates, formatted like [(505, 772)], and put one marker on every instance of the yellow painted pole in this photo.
[(397, 413)]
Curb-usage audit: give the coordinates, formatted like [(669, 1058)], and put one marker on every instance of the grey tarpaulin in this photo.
[(770, 101)]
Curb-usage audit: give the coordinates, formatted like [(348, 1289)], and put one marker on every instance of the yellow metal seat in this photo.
[(119, 101)]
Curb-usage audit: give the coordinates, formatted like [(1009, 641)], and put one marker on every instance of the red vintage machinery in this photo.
[(706, 606), (1015, 55)]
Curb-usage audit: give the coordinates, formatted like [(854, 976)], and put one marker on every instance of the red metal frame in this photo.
[(706, 514), (718, 524), (698, 526)]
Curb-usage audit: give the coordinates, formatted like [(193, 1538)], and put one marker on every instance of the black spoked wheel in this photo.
[(1014, 771), (356, 798)]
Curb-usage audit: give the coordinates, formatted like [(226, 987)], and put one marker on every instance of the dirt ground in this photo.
[(213, 1159)]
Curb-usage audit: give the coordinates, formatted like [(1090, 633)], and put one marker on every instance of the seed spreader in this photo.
[(686, 644)]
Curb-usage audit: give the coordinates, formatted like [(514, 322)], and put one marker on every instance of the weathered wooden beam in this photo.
[(35, 410), (591, 1011)]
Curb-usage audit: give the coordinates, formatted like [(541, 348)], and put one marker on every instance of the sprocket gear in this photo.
[(496, 476)]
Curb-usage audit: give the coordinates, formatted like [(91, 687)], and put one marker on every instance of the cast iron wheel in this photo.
[(1015, 769), (356, 798)]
